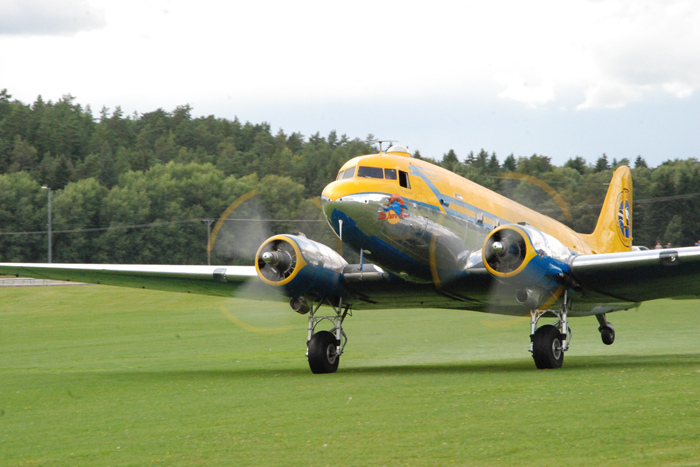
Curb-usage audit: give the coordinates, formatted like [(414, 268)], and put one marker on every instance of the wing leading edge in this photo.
[(224, 281)]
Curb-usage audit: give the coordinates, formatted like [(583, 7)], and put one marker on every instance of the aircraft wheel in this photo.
[(323, 357), (547, 347), (607, 334)]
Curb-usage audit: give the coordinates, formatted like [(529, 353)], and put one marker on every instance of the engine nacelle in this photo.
[(522, 256), (300, 266)]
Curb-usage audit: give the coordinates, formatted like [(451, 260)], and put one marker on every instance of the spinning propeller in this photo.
[(505, 251), (277, 260)]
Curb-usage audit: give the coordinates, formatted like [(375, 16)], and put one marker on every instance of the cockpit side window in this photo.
[(340, 175), (349, 173), (403, 179), (370, 172), (390, 174)]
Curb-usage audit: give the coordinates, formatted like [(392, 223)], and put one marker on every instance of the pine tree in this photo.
[(578, 164), (640, 162), (493, 165), (450, 160), (602, 163), (510, 165), (24, 156), (62, 171)]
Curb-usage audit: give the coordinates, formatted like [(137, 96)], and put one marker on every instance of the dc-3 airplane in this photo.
[(433, 239)]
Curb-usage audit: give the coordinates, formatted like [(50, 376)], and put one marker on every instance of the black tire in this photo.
[(322, 353), (547, 347), (607, 335)]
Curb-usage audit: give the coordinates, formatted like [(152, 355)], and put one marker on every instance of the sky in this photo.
[(556, 78)]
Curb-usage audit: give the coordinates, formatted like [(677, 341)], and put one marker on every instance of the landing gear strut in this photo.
[(324, 348), (549, 342), (606, 329)]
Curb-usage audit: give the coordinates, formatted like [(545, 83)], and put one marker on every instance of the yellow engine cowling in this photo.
[(300, 266), (522, 256)]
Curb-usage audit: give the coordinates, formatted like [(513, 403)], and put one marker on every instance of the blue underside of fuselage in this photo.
[(382, 253)]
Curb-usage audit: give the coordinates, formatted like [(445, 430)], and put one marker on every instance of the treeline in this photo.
[(135, 188), (163, 168)]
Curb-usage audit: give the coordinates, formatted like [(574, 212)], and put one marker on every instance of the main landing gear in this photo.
[(549, 342), (324, 348)]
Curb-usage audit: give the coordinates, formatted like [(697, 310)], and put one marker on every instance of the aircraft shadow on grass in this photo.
[(603, 362)]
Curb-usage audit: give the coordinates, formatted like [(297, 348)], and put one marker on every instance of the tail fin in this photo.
[(613, 233)]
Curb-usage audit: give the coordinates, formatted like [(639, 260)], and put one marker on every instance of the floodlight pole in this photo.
[(50, 221), (209, 222)]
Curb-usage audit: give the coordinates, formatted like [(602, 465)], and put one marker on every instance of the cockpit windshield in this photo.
[(375, 172), (370, 172)]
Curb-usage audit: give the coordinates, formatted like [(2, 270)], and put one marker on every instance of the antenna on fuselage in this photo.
[(380, 141)]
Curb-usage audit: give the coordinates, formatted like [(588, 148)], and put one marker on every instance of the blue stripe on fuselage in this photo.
[(419, 173)]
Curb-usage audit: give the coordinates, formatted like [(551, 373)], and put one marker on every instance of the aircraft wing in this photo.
[(631, 276), (225, 281), (640, 275)]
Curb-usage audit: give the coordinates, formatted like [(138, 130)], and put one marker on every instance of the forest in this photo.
[(146, 188)]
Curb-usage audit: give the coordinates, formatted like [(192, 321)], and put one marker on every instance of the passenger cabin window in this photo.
[(340, 175), (403, 179), (370, 172), (349, 173), (390, 174)]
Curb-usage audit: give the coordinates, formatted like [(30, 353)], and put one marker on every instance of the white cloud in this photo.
[(680, 90), (48, 17), (614, 52), (611, 96), (641, 47), (520, 90)]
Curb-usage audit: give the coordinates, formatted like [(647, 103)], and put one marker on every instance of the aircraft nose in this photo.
[(331, 192), (331, 195)]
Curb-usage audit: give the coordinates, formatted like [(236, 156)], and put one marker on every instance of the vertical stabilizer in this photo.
[(613, 232)]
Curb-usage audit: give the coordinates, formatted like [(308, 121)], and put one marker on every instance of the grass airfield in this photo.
[(93, 375)]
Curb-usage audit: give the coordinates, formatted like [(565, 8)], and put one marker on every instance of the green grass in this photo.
[(105, 376)]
